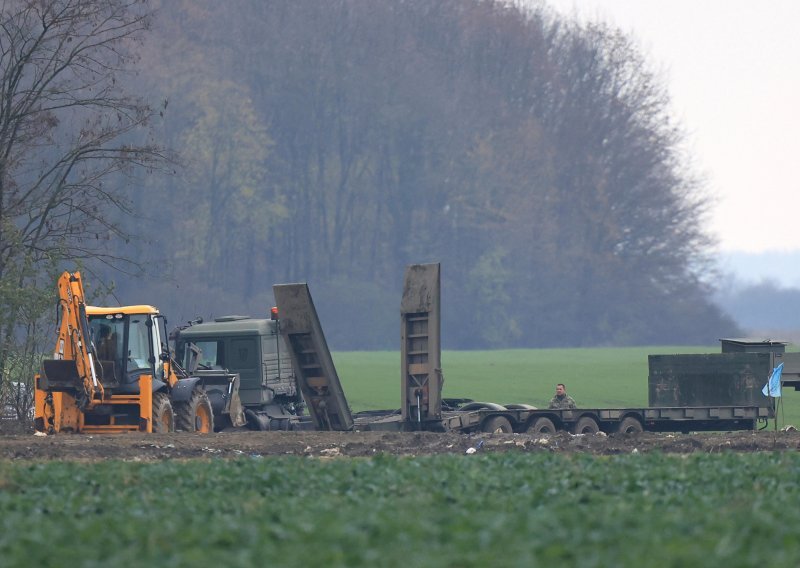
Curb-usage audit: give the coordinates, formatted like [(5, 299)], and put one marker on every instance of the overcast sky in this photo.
[(733, 70)]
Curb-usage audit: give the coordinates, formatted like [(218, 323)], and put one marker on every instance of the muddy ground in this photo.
[(17, 442)]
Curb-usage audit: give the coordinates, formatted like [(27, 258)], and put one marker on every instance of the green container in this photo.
[(719, 379)]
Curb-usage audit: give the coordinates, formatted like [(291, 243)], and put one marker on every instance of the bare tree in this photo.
[(69, 133)]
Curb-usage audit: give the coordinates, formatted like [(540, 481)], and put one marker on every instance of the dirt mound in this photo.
[(140, 447)]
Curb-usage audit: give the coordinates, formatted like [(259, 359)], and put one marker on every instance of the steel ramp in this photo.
[(312, 361), (420, 344)]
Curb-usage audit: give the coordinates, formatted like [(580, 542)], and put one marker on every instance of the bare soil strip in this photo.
[(16, 443)]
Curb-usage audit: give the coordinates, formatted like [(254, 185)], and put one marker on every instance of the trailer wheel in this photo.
[(542, 425), (497, 425), (630, 425), (195, 415), (163, 416), (586, 425)]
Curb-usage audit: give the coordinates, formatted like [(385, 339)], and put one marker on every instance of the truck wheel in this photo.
[(195, 415), (497, 425), (256, 421), (163, 416), (586, 425), (542, 425), (630, 425)]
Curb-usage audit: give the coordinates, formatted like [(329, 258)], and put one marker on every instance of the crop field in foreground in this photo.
[(595, 377), (507, 509)]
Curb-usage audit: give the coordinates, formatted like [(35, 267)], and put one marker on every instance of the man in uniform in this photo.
[(562, 400)]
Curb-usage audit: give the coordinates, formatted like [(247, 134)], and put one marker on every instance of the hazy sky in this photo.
[(733, 70)]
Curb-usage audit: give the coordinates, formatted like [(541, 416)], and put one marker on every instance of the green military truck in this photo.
[(253, 349)]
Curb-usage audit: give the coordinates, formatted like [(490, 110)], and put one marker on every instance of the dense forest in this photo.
[(191, 153)]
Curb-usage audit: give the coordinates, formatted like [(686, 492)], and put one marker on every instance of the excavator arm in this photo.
[(72, 369)]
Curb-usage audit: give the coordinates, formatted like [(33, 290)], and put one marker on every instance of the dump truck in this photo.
[(112, 371), (682, 397)]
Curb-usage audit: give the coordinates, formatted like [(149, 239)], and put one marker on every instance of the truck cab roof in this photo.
[(231, 325)]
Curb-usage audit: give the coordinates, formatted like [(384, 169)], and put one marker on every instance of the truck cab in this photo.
[(254, 349)]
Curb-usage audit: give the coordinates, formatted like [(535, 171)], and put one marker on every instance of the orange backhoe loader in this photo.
[(112, 371)]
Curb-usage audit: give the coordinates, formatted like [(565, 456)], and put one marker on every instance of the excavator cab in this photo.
[(128, 343)]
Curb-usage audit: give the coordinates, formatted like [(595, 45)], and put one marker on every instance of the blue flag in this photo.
[(773, 386)]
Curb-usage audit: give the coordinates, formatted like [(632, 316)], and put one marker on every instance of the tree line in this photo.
[(334, 143)]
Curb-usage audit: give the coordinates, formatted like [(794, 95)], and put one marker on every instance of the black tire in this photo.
[(195, 414), (586, 425), (630, 425), (542, 425), (253, 420), (497, 425), (163, 414)]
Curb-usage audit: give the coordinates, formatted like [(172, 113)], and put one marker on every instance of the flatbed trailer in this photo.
[(684, 389), (581, 420)]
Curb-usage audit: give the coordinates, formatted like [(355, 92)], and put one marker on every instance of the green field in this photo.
[(596, 377), (505, 509), (510, 509)]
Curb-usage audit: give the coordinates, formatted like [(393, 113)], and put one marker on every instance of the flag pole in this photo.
[(768, 390), (772, 401), (775, 403)]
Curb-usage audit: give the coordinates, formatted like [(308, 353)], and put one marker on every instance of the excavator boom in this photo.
[(72, 368)]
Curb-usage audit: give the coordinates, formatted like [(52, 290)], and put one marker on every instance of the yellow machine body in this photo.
[(111, 371)]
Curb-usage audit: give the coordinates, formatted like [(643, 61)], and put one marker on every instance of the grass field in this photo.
[(598, 377), (505, 509), (510, 509)]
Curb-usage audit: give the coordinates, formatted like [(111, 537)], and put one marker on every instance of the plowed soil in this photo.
[(18, 442)]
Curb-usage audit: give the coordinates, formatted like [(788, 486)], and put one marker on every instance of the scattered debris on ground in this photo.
[(20, 443)]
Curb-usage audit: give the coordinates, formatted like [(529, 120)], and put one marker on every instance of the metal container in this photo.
[(718, 379)]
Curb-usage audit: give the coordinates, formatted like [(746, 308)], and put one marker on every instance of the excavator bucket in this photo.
[(313, 365), (421, 351), (60, 375)]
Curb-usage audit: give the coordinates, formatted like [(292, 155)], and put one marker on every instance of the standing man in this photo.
[(562, 400)]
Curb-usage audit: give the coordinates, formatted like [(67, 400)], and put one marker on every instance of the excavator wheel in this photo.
[(195, 415), (163, 416)]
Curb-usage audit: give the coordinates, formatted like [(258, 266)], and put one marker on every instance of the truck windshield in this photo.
[(211, 354)]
